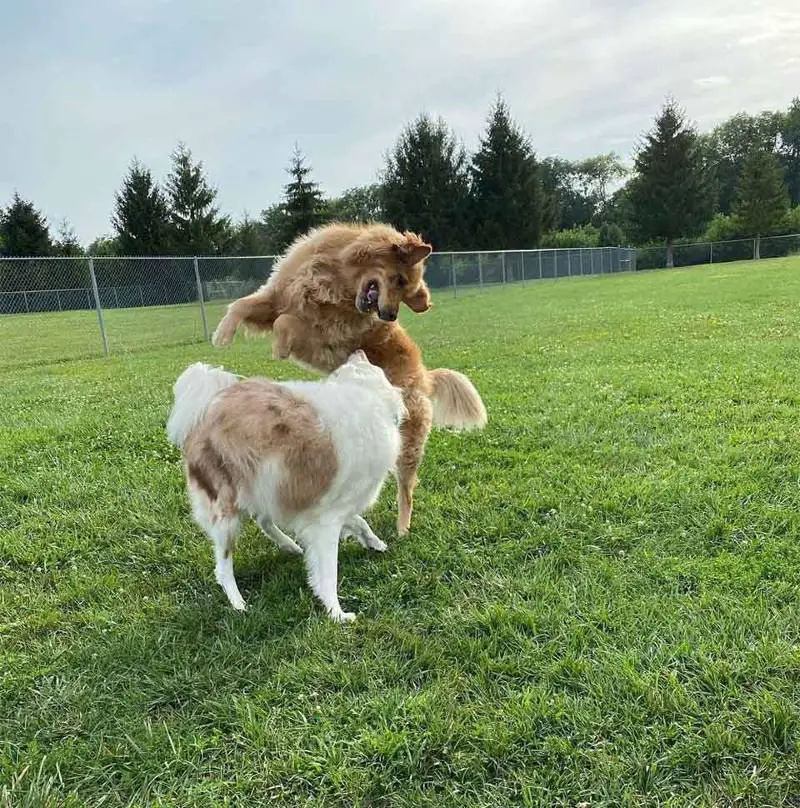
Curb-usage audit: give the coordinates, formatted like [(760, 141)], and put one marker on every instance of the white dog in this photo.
[(308, 456)]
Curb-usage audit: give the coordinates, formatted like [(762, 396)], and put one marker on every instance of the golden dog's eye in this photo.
[(400, 281)]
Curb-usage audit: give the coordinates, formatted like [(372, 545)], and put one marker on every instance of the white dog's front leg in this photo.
[(278, 536), (357, 527), (321, 544)]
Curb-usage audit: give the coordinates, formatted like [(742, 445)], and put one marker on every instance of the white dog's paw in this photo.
[(342, 617), (239, 604), (377, 545)]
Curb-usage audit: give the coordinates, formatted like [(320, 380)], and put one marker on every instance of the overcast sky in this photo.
[(88, 84)]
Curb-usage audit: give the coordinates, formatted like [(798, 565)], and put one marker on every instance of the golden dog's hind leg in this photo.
[(286, 334), (413, 434)]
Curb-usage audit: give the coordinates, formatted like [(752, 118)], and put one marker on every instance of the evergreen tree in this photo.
[(303, 204), (250, 237), (506, 188), (426, 185), (275, 224), (790, 149), (141, 216), (762, 199), (23, 230), (197, 228), (67, 244), (670, 193)]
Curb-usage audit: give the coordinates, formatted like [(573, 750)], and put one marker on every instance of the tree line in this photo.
[(741, 179)]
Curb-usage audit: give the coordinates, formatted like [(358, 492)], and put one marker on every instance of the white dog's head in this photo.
[(359, 370)]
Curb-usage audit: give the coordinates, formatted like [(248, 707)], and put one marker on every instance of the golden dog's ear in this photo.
[(412, 250), (420, 301)]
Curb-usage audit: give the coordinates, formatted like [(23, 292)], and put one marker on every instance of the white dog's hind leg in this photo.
[(357, 527), (321, 543), (223, 534), (278, 536)]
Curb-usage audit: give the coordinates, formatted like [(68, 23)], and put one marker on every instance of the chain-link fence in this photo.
[(57, 309), (719, 252), (465, 271)]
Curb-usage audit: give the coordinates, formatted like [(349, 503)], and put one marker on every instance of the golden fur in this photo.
[(316, 302)]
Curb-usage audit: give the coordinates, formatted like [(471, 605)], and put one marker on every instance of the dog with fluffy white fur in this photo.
[(305, 457)]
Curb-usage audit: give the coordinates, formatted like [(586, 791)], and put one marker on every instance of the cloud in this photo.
[(710, 82), (88, 85)]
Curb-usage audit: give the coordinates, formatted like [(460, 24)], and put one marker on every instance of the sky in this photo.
[(87, 85)]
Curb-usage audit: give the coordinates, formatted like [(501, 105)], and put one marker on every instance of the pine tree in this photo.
[(141, 217), (671, 191), (303, 204), (426, 184), (275, 224), (24, 230), (506, 188), (762, 199), (250, 237), (67, 244), (196, 226), (790, 148)]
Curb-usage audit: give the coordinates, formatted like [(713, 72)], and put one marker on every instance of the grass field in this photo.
[(598, 604)]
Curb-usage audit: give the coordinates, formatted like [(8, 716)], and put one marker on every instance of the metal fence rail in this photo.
[(74, 298)]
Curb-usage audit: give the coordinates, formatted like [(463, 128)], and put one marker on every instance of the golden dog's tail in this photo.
[(456, 402), (256, 312)]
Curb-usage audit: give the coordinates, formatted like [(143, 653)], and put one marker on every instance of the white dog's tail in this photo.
[(456, 402), (194, 391)]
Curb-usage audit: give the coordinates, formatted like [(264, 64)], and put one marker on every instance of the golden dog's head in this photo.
[(387, 269)]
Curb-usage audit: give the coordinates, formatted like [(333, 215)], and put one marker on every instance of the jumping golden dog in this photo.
[(338, 289)]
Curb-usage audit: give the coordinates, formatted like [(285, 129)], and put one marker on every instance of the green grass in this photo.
[(598, 602)]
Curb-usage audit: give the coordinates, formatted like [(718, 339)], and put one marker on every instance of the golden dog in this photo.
[(338, 290)]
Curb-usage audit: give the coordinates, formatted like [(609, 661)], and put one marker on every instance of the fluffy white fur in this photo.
[(362, 412)]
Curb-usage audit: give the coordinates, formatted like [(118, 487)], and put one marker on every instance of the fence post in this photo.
[(58, 300), (27, 307), (503, 265), (99, 308), (591, 260), (540, 264), (200, 298), (580, 255), (141, 295), (569, 263), (453, 273), (711, 253), (522, 262), (480, 270)]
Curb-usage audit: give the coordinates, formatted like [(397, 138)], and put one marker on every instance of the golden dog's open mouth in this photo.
[(368, 302), (368, 299)]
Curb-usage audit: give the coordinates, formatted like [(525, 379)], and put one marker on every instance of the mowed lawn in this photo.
[(599, 603)]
